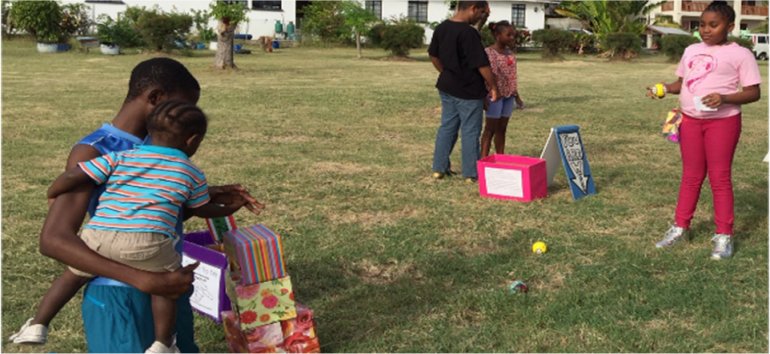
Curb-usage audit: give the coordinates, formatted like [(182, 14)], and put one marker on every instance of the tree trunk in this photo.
[(358, 44), (225, 34)]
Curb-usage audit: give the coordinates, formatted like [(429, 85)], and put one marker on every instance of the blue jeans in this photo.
[(458, 114)]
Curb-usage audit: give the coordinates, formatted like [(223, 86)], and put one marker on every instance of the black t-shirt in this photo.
[(458, 46)]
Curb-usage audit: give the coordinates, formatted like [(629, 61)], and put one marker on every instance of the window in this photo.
[(375, 7), (233, 2), (761, 39), (418, 11), (266, 5), (518, 15)]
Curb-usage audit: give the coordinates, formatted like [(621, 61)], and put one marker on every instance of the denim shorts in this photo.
[(503, 107)]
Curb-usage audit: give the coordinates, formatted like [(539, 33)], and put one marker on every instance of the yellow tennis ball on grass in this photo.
[(539, 247)]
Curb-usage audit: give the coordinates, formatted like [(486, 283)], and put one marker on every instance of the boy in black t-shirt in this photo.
[(458, 55)]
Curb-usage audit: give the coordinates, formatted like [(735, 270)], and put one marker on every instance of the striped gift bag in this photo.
[(255, 254)]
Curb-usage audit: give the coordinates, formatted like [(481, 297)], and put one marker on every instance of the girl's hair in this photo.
[(497, 27), (175, 118), (723, 9)]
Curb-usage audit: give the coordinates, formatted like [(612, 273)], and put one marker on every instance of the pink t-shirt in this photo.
[(719, 69)]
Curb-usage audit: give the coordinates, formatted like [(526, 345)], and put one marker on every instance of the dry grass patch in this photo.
[(385, 273)]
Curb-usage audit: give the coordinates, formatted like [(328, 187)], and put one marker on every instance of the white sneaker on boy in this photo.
[(30, 334), (158, 347)]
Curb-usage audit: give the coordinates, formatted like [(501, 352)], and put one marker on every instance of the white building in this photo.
[(748, 14), (263, 15)]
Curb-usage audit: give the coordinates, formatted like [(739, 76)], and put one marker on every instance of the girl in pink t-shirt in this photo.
[(715, 78), (502, 60)]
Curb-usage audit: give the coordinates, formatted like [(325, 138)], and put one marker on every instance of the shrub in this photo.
[(673, 45), (487, 37), (325, 21), (583, 42), (553, 41), (522, 36), (159, 30), (743, 42), (119, 32), (201, 21), (41, 19), (399, 36), (75, 19), (374, 37), (622, 45)]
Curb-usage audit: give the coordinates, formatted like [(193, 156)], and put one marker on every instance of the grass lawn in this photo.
[(340, 150)]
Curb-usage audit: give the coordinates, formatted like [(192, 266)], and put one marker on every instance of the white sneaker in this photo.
[(723, 247), (30, 334), (671, 237), (158, 347)]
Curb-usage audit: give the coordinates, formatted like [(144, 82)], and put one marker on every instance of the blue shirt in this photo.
[(105, 140)]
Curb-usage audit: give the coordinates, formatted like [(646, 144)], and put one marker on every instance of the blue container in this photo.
[(276, 44)]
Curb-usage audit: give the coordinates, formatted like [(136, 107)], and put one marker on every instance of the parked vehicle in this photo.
[(760, 45)]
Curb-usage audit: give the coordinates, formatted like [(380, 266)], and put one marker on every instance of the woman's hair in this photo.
[(723, 9), (498, 27), (176, 119)]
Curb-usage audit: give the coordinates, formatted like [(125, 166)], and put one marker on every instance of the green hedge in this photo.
[(673, 45), (399, 36), (553, 41), (622, 45)]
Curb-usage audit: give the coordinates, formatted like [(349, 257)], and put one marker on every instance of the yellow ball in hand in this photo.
[(539, 247)]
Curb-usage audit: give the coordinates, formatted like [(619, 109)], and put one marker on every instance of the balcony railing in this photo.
[(754, 10), (694, 6), (700, 5)]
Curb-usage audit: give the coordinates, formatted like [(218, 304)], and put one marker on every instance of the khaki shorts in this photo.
[(149, 251)]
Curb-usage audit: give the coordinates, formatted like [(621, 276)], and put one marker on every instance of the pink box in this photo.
[(512, 177)]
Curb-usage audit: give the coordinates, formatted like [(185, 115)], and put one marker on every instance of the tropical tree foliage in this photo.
[(605, 16)]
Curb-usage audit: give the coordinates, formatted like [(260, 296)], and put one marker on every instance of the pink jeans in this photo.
[(708, 145)]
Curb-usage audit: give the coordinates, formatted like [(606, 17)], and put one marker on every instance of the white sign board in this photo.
[(504, 182), (205, 296)]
